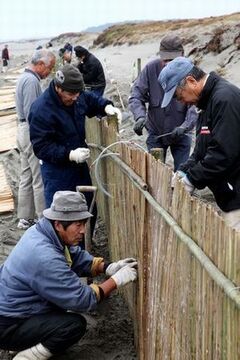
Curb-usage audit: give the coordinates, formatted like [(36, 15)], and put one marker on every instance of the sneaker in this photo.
[(13, 353), (25, 224)]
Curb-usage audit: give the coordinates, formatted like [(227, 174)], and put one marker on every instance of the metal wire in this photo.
[(102, 155)]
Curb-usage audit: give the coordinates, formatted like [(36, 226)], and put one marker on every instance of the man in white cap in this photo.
[(39, 282), (215, 161), (170, 127)]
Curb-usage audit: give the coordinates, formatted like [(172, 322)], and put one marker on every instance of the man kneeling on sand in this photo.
[(39, 282)]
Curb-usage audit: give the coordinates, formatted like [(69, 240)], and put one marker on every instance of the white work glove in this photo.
[(79, 155), (177, 175), (189, 187), (111, 110), (115, 266), (124, 276)]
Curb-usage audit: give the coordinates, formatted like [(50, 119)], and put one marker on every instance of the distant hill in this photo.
[(137, 32), (100, 28)]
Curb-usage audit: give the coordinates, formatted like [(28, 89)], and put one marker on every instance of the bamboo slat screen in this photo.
[(179, 311)]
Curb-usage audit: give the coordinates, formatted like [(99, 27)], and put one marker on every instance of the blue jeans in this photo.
[(180, 149), (67, 177)]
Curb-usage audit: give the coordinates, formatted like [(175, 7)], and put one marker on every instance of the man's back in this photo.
[(92, 71), (27, 90)]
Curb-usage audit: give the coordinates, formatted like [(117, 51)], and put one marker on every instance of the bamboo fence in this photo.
[(185, 304)]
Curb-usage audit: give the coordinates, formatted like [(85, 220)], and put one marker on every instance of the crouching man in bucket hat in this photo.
[(39, 282)]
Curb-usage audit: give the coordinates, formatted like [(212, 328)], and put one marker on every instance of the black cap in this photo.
[(80, 51), (171, 47), (69, 78)]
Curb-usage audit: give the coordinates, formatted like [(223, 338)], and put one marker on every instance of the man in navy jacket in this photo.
[(57, 131)]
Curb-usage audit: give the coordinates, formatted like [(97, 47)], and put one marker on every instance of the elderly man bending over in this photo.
[(215, 161), (40, 281)]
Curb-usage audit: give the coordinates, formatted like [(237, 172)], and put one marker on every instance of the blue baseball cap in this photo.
[(171, 75)]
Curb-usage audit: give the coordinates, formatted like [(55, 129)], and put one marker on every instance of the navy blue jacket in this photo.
[(55, 130), (146, 89)]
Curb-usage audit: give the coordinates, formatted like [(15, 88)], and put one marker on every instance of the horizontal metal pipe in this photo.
[(126, 169)]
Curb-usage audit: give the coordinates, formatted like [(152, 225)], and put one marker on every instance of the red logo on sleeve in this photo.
[(205, 130)]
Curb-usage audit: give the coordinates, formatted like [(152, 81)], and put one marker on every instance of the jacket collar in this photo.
[(32, 72), (207, 90), (45, 227), (54, 95)]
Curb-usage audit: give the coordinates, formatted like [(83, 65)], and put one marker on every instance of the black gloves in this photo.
[(178, 131), (138, 127)]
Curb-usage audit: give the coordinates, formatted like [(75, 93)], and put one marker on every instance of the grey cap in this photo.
[(171, 76), (170, 47), (69, 78), (68, 206)]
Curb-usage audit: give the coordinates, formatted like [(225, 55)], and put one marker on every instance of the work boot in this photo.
[(38, 352), (25, 224)]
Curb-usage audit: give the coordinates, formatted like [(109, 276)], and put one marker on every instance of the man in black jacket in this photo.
[(91, 69), (215, 161)]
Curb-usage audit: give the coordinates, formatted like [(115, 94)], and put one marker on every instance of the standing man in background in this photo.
[(30, 194), (92, 71), (166, 127), (5, 58)]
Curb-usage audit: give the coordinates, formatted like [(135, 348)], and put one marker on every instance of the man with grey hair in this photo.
[(40, 282), (30, 194), (215, 161), (170, 127)]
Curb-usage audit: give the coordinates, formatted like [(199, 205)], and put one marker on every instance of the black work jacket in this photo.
[(92, 71), (215, 161)]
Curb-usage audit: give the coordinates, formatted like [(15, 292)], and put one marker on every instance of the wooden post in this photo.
[(88, 237), (138, 66), (158, 154)]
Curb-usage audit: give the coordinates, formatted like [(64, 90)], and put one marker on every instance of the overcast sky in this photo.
[(47, 18)]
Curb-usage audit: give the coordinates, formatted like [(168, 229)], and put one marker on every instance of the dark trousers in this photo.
[(57, 178), (56, 331), (180, 149)]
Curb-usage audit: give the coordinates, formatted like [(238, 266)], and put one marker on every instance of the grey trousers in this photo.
[(30, 194)]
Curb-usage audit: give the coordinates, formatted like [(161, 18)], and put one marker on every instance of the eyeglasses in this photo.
[(178, 93)]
